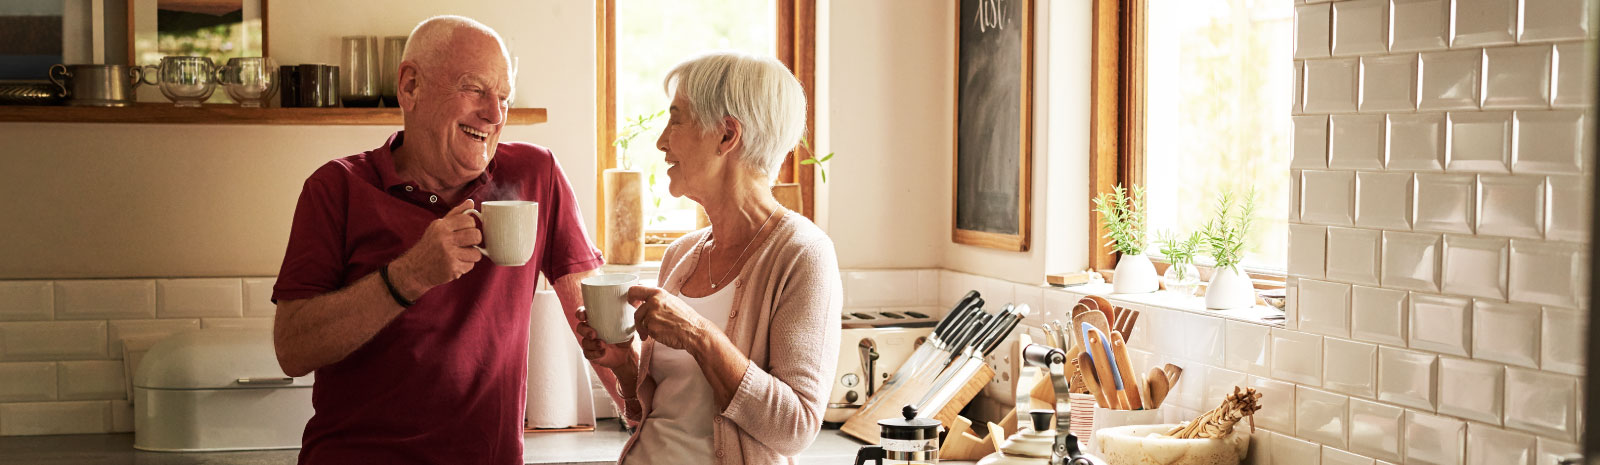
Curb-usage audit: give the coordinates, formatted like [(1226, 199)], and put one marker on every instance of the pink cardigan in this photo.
[(785, 318)]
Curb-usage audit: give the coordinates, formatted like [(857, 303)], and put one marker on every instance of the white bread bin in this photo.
[(216, 390)]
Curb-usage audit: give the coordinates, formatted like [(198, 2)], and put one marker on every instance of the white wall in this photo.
[(129, 200)]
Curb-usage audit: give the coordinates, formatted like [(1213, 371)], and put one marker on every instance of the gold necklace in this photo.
[(736, 260)]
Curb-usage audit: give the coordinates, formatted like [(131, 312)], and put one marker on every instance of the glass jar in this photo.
[(1182, 278)]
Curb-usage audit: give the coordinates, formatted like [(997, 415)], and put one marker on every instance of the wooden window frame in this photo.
[(1117, 120), (796, 48)]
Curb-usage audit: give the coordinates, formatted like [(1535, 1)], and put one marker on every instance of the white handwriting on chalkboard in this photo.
[(990, 15)]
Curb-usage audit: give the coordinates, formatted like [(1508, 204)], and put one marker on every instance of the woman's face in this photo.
[(695, 157)]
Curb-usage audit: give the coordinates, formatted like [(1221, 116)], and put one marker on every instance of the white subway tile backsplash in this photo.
[(1483, 22), (1356, 142), (1471, 390), (92, 380), (1383, 200), (1277, 404), (194, 298), (1449, 80), (1353, 255), (1324, 307), (1320, 416), (123, 329), (1375, 429), (1547, 273), (45, 418), (1511, 206), (1419, 25), (1554, 20), (1360, 27), (1331, 85), (258, 295), (53, 340), (927, 291), (1552, 450), (1573, 87), (1411, 261), (1247, 346), (1487, 445), (1289, 449), (1331, 456), (1441, 324), (1434, 440), (1541, 403), (1311, 23), (1350, 367), (1406, 377), (1568, 216), (1445, 202), (1416, 142), (1294, 196), (1480, 142), (1506, 332), (1296, 357), (1307, 250), (237, 323), (1328, 197), (1562, 339), (27, 382), (26, 300), (1220, 383), (1378, 315), (1550, 142), (121, 416), (1517, 77), (1474, 266), (1296, 107), (1389, 83), (877, 288), (100, 299)]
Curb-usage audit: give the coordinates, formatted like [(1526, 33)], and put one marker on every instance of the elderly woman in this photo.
[(738, 345)]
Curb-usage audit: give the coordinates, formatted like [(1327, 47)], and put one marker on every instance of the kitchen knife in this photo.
[(942, 392), (972, 345), (935, 348)]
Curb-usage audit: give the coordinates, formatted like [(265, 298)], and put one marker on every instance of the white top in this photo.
[(679, 431)]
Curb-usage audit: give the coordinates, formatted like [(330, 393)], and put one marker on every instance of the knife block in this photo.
[(864, 424)]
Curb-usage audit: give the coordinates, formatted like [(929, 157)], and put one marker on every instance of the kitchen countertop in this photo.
[(600, 447)]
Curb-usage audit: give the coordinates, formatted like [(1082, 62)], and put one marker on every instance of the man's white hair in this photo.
[(758, 91), (431, 40)]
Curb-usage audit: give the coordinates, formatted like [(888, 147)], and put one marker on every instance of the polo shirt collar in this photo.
[(383, 161)]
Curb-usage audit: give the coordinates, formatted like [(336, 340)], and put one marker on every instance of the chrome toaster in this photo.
[(871, 346)]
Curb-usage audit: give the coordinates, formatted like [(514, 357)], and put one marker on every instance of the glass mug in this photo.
[(186, 81), (249, 81)]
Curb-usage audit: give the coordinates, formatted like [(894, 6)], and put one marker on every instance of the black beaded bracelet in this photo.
[(384, 273)]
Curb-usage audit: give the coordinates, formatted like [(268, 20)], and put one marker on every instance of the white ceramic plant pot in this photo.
[(1148, 444), (1135, 275), (1230, 288)]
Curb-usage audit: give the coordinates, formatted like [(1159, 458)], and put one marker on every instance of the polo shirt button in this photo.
[(409, 189), (433, 199), (719, 454), (718, 420)]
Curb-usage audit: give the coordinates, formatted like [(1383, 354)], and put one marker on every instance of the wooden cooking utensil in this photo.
[(1102, 370), (1086, 368), (1130, 378), (1089, 303), (1174, 373), (1101, 303), (1158, 386)]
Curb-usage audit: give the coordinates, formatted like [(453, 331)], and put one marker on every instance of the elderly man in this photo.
[(418, 343)]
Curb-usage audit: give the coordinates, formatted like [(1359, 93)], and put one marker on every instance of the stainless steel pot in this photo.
[(97, 85)]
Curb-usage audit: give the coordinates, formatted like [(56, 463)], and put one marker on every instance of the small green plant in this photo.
[(635, 127), (822, 169), (1225, 234), (1124, 216), (1180, 251)]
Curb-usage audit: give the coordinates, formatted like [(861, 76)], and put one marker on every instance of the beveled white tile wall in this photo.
[(1331, 85), (26, 300), (194, 298), (258, 296), (103, 299), (1320, 416), (1476, 307)]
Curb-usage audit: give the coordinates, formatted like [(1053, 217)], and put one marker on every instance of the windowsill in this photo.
[(1258, 314)]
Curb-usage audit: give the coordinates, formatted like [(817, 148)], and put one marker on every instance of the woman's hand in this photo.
[(622, 356), (666, 318)]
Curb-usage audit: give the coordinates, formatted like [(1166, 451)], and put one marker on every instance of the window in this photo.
[(1203, 107), (652, 37)]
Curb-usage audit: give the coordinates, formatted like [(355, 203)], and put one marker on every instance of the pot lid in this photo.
[(911, 427)]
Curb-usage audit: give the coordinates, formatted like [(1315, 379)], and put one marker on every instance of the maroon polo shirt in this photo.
[(444, 382)]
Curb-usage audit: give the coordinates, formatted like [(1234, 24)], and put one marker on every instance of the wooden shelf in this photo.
[(166, 113)]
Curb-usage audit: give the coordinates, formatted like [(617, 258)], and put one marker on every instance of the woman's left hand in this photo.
[(666, 318)]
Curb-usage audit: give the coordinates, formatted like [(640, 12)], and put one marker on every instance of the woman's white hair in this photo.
[(757, 91)]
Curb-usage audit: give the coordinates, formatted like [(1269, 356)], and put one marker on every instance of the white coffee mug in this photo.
[(510, 230), (605, 300)]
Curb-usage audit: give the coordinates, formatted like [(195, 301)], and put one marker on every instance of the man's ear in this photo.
[(406, 87), (732, 135)]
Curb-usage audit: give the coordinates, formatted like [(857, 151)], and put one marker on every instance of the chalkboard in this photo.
[(994, 70)]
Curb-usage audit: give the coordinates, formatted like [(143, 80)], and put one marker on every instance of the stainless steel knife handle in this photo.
[(265, 381)]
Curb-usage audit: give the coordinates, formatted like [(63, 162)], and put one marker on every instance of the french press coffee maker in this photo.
[(911, 441)]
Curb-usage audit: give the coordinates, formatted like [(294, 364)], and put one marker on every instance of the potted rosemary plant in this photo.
[(1181, 276), (624, 189), (1124, 216), (1225, 237)]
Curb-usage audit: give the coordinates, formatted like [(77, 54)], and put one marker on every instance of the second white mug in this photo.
[(605, 300)]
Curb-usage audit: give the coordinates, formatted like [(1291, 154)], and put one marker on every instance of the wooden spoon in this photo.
[(1158, 386), (1130, 378), (1174, 373), (1102, 370), (1086, 369)]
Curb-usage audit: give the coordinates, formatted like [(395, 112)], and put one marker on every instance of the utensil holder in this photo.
[(1105, 418)]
